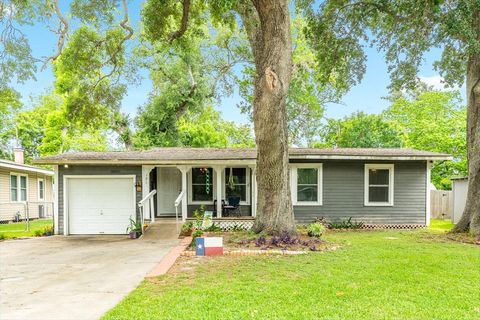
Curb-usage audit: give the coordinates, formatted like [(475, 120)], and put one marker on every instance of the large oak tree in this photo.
[(405, 31)]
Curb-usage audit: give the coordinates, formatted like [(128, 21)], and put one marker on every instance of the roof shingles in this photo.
[(193, 154)]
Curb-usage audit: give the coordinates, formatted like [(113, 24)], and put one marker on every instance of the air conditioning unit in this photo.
[(41, 211)]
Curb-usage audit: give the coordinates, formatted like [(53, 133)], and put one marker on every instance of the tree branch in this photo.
[(62, 31), (184, 24)]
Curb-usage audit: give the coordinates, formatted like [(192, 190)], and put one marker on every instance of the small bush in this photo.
[(2, 236), (213, 228), (260, 241), (196, 234), (48, 231), (187, 228), (346, 224), (38, 233), (315, 229)]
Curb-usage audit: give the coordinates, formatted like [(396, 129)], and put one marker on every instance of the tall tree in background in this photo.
[(361, 130), (406, 31), (434, 121)]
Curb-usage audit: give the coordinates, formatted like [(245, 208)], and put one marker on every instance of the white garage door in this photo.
[(100, 205)]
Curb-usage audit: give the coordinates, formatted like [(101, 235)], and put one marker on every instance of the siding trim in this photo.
[(55, 205), (391, 174)]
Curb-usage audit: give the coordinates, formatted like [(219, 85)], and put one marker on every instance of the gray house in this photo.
[(97, 192)]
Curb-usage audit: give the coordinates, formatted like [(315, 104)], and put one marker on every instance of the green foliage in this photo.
[(361, 130), (315, 229), (434, 121), (135, 226), (340, 30), (345, 224), (186, 229), (213, 228), (9, 105), (197, 233)]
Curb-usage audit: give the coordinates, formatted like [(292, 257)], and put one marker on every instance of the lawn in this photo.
[(441, 224), (11, 230), (374, 275)]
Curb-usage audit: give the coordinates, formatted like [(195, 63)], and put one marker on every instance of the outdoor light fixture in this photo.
[(65, 166), (138, 186)]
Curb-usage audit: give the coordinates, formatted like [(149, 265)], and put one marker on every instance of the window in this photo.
[(18, 187), (237, 183), (307, 184), (202, 185), (41, 189), (379, 184)]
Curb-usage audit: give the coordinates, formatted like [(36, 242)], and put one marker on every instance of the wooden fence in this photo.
[(441, 204)]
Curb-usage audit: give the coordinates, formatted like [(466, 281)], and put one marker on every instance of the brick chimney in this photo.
[(18, 155)]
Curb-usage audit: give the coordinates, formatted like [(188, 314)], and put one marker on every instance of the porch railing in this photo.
[(177, 203), (148, 200)]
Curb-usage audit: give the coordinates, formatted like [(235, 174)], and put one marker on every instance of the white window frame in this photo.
[(247, 182), (19, 188), (38, 187), (190, 188), (294, 183), (391, 168)]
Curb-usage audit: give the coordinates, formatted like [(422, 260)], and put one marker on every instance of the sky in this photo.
[(367, 96)]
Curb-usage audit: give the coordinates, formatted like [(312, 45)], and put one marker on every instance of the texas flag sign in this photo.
[(208, 246)]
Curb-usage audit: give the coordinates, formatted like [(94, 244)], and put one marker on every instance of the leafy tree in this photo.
[(361, 130), (434, 121), (9, 104), (405, 31)]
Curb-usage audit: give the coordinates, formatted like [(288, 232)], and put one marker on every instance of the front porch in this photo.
[(177, 191)]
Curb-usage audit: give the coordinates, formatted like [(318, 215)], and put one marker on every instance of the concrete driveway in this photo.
[(73, 277)]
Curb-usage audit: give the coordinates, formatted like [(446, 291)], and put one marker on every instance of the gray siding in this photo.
[(343, 194), (93, 170)]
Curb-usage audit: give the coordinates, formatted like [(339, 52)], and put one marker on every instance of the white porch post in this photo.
[(55, 204), (254, 190), (145, 190), (219, 186), (184, 170)]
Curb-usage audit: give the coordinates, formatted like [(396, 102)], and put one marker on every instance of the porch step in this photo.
[(164, 229)]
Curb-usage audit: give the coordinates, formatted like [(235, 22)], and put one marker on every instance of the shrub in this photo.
[(315, 229), (38, 233), (48, 231), (187, 228), (2, 236), (213, 228), (198, 215), (260, 241), (196, 234), (346, 224)]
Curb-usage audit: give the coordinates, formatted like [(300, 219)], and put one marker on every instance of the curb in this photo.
[(252, 253), (167, 262)]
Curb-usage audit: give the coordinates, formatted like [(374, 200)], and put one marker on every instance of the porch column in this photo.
[(219, 186), (254, 190), (146, 189), (184, 170)]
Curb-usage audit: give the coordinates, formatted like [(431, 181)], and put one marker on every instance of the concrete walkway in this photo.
[(74, 277)]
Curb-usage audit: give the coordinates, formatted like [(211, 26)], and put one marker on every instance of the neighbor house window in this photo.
[(18, 187), (41, 189), (307, 184), (379, 184), (202, 185), (236, 183)]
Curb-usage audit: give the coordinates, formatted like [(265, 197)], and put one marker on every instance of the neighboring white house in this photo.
[(24, 190), (460, 190)]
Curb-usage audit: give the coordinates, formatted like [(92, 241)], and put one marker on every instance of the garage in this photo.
[(99, 204)]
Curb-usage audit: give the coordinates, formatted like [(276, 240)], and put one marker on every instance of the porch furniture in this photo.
[(233, 207), (215, 207)]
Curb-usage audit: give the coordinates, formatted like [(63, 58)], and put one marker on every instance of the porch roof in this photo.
[(219, 155)]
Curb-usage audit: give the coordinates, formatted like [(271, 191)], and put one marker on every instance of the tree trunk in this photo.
[(470, 220), (268, 29)]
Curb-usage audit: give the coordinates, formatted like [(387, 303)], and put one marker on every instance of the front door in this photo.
[(169, 187)]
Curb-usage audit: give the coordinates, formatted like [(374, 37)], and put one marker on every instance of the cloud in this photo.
[(437, 82)]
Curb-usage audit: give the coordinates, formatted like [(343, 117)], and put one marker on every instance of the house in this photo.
[(25, 191), (99, 191)]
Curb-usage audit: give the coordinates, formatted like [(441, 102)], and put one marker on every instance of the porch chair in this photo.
[(233, 207)]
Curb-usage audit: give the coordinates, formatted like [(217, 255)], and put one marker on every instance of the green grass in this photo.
[(375, 275), (441, 224), (8, 231)]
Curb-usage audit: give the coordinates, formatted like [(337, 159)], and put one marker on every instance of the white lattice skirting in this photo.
[(229, 224), (393, 226)]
